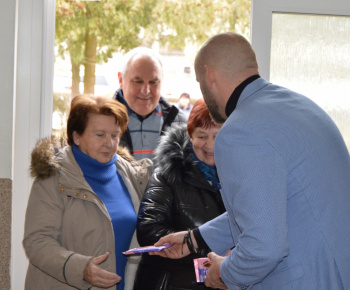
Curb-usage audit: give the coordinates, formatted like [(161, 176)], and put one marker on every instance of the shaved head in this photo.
[(230, 53), (222, 63)]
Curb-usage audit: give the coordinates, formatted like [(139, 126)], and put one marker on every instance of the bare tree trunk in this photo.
[(75, 78), (90, 63)]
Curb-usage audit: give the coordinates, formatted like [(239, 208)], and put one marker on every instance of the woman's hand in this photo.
[(99, 277), (177, 250)]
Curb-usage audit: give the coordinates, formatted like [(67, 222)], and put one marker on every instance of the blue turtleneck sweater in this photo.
[(110, 188)]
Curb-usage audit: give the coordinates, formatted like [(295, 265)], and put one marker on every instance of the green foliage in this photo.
[(117, 23), (178, 22), (87, 28)]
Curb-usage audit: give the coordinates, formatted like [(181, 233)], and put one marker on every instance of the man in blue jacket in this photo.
[(285, 176)]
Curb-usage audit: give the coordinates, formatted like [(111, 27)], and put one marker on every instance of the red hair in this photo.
[(199, 117)]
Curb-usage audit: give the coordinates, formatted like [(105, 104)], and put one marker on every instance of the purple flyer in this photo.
[(146, 249)]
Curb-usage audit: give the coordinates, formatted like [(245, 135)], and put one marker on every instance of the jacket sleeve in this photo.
[(43, 233), (155, 214)]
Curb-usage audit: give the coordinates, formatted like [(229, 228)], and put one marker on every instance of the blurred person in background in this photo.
[(183, 193), (184, 103), (150, 114), (83, 204)]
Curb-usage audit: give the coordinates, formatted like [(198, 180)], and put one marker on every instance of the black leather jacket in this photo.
[(177, 198)]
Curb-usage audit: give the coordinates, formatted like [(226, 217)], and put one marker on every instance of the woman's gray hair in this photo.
[(140, 51)]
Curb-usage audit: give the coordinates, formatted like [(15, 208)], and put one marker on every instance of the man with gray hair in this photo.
[(150, 114)]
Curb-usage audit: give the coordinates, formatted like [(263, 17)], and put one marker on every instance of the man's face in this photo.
[(184, 102), (210, 99), (141, 85)]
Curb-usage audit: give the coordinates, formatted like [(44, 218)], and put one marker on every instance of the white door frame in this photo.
[(33, 99), (261, 21)]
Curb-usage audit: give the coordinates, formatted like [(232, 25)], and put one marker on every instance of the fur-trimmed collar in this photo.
[(43, 161), (173, 155)]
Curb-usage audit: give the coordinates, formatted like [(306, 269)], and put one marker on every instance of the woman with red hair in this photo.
[(182, 194)]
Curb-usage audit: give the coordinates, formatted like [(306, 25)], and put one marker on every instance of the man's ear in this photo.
[(120, 78), (209, 72)]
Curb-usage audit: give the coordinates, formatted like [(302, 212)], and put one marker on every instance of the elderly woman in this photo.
[(182, 194), (83, 205)]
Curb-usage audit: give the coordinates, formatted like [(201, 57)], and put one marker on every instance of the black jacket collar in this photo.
[(233, 100)]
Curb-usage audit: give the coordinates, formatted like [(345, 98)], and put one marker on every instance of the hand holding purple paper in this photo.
[(146, 249)]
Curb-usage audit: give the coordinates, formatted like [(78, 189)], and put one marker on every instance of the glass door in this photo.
[(305, 46)]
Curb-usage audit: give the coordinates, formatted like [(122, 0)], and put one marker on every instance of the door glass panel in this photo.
[(310, 54)]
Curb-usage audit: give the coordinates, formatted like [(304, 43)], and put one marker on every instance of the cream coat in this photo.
[(66, 222)]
